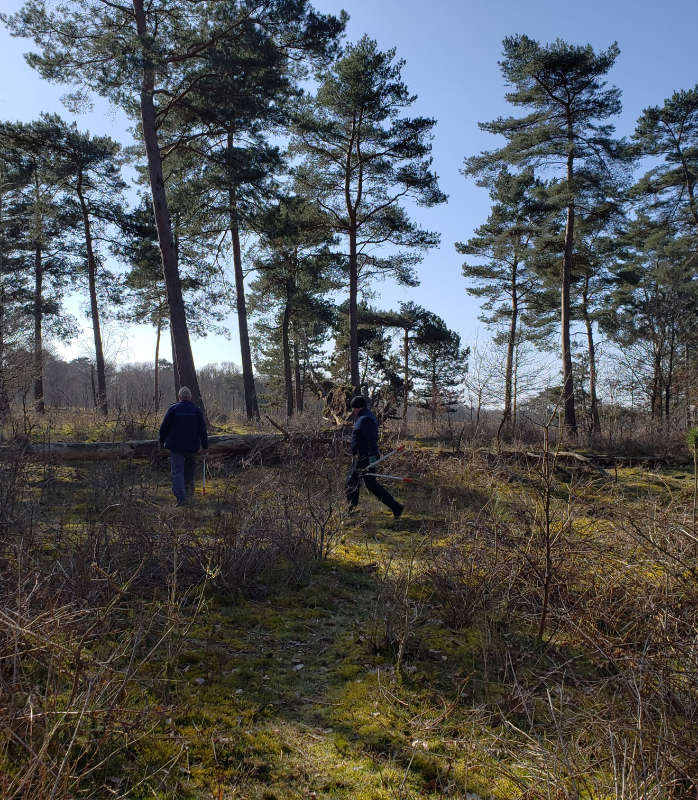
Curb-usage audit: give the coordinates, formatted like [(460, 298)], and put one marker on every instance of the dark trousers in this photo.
[(182, 466), (353, 485)]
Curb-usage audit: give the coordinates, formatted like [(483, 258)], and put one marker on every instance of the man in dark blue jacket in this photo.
[(182, 432), (364, 448)]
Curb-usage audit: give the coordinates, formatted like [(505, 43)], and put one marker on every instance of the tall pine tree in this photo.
[(362, 160), (564, 90)]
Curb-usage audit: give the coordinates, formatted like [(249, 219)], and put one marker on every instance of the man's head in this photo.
[(357, 404), (184, 393)]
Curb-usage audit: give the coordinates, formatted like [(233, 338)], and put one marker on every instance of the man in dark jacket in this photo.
[(364, 448), (182, 432)]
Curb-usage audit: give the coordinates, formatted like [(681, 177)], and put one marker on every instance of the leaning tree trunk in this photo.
[(251, 406), (101, 401), (286, 354), (178, 319), (567, 381), (595, 421)]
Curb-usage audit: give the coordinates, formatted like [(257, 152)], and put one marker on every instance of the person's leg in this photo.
[(189, 468), (382, 494), (352, 485), (177, 469)]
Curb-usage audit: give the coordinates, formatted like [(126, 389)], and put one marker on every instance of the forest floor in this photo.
[(521, 632)]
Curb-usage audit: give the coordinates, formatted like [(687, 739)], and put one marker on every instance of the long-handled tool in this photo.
[(392, 477), (382, 458)]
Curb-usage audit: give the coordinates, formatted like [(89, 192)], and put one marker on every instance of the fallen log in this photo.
[(567, 456), (600, 462), (64, 452)]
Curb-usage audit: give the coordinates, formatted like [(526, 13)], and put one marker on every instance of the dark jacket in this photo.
[(364, 434), (183, 428)]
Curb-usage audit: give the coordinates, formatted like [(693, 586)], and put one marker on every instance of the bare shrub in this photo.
[(399, 603), (74, 680), (606, 705)]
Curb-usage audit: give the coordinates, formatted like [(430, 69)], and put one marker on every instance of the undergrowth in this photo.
[(521, 632)]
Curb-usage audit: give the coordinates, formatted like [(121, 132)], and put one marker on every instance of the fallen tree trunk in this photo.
[(599, 462), (64, 452)]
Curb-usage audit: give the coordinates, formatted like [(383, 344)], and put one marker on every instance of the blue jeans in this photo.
[(182, 466)]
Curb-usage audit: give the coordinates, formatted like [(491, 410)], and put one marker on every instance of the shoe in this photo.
[(397, 512), (180, 503)]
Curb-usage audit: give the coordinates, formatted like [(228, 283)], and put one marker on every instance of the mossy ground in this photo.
[(345, 681)]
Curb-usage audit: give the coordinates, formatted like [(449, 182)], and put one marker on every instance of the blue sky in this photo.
[(451, 49)]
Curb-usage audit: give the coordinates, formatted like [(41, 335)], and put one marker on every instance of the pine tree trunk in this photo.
[(435, 395), (354, 374), (567, 381), (178, 320), (515, 392), (595, 421), (38, 335), (156, 383), (101, 401), (251, 406), (286, 354), (298, 379), (4, 397), (352, 209), (511, 344), (656, 398), (688, 386), (670, 376), (406, 373)]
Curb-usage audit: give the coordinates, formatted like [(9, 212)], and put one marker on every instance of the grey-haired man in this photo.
[(183, 432)]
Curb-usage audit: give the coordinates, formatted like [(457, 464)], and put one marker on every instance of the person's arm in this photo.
[(166, 425), (374, 436), (355, 437)]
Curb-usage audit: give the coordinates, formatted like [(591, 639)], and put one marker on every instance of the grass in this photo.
[(403, 664)]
